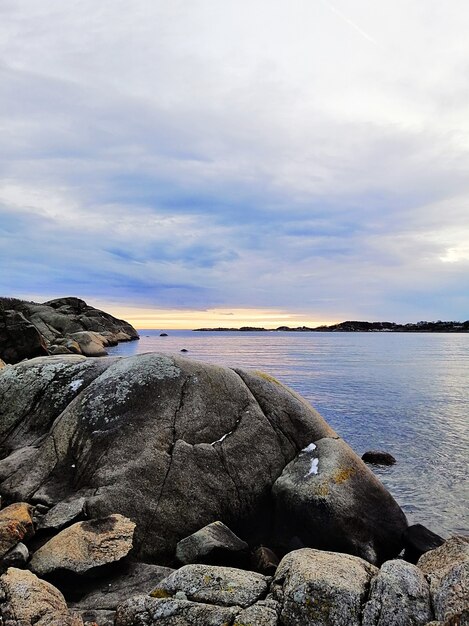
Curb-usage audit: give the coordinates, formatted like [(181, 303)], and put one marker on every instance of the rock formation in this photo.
[(62, 326)]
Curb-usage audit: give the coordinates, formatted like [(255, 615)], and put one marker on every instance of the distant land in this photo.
[(360, 327)]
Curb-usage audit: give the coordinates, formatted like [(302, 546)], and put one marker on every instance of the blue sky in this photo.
[(276, 161)]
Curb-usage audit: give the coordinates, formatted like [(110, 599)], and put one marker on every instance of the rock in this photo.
[(322, 588), (85, 546), (91, 344), (16, 557), (214, 544), (62, 515), (399, 596), (29, 600), (146, 611), (328, 498), (16, 524), (163, 334), (141, 435), (2, 364), (98, 618), (184, 350), (436, 563), (418, 540), (265, 561), (263, 613), (134, 579), (225, 586), (451, 595), (376, 457), (19, 339)]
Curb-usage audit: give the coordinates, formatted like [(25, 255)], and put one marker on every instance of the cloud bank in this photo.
[(307, 157)]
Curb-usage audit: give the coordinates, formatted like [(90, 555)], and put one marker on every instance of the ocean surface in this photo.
[(404, 393)]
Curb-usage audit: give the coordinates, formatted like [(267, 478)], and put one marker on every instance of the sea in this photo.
[(404, 393)]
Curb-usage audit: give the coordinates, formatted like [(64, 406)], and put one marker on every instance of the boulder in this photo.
[(85, 546), (264, 560), (328, 498), (214, 544), (418, 540), (322, 588), (263, 613), (19, 339), (16, 524), (28, 600), (377, 457), (175, 444), (399, 596), (91, 344), (225, 586), (147, 611), (16, 557), (63, 514), (436, 563)]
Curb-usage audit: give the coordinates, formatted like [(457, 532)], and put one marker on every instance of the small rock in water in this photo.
[(163, 334), (377, 457), (418, 540), (184, 350)]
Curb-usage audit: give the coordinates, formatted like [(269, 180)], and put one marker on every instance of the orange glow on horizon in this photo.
[(183, 319)]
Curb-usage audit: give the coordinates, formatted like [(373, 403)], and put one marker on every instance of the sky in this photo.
[(217, 162)]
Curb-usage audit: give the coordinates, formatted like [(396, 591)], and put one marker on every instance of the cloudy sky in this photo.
[(258, 161)]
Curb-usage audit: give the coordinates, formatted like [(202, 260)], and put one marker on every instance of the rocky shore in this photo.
[(156, 490), (62, 326), (359, 327)]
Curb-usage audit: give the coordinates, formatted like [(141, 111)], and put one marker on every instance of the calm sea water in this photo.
[(407, 394)]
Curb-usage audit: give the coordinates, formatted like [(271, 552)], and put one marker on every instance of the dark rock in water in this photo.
[(375, 457), (19, 339), (215, 544), (163, 334), (265, 561), (174, 444), (328, 498), (418, 540), (184, 350)]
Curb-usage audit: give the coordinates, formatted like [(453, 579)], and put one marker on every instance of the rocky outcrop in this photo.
[(62, 326), (328, 498), (174, 445), (27, 601), (85, 546)]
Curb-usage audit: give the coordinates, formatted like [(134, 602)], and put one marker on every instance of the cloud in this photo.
[(260, 156)]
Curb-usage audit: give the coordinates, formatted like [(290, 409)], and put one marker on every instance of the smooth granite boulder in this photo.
[(215, 544), (328, 498), (27, 600), (85, 546), (399, 596), (322, 588), (175, 445)]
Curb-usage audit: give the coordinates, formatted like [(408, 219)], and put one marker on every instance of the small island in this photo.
[(359, 327)]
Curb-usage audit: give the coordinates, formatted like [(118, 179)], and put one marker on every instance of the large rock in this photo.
[(174, 445), (28, 329), (328, 498), (28, 600), (215, 544), (418, 540), (437, 563), (399, 596), (322, 588), (19, 339), (16, 524), (85, 546), (225, 586)]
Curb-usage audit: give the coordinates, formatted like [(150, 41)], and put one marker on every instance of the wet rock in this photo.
[(225, 586), (62, 514), (399, 596), (265, 561), (16, 557), (377, 457), (29, 600), (329, 499), (418, 540), (85, 546), (322, 588), (16, 524), (147, 611), (214, 544)]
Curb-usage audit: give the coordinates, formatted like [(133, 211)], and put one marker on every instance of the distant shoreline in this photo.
[(357, 327)]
